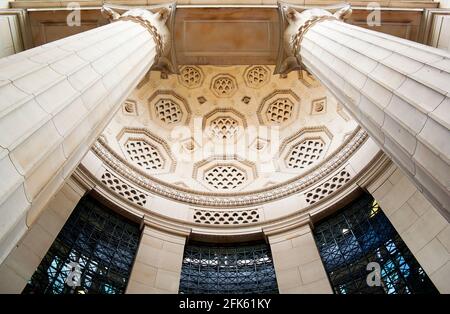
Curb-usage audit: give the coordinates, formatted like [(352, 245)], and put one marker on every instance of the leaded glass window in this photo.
[(239, 269), (93, 253), (359, 234)]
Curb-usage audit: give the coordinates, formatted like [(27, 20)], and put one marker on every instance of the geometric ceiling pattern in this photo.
[(227, 129)]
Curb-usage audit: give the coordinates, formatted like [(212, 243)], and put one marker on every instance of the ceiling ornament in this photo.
[(226, 200)]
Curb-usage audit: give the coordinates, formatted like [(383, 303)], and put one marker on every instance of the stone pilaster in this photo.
[(297, 262), (396, 89), (157, 267), (56, 100)]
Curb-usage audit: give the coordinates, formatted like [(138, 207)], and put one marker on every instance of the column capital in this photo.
[(295, 22), (159, 21)]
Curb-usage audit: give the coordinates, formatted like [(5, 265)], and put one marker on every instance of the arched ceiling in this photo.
[(235, 130)]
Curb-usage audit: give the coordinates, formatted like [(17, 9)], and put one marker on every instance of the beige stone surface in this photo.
[(157, 265), (51, 114), (297, 262), (421, 226), (20, 264), (401, 115)]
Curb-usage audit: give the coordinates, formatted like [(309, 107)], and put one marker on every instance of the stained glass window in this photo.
[(93, 253), (360, 234), (239, 269)]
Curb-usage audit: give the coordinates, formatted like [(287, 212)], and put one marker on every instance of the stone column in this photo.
[(396, 89), (157, 267), (55, 101), (297, 262), (20, 264)]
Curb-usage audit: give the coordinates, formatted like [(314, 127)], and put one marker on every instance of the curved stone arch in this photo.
[(247, 198), (271, 217)]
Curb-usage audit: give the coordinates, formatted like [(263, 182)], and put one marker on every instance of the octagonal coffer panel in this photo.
[(146, 150), (168, 109), (223, 85), (305, 153), (280, 108), (257, 76), (191, 76), (144, 154), (225, 132)]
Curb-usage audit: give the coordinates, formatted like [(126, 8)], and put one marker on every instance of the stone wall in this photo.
[(297, 262), (157, 267), (424, 230)]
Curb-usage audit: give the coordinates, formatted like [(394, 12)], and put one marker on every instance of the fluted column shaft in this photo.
[(396, 89), (54, 102)]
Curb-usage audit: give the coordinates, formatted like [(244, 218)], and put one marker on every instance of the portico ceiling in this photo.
[(208, 34)]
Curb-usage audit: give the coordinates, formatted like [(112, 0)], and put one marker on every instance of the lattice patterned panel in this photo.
[(224, 127), (280, 110), (325, 189), (168, 111), (123, 189), (223, 86), (226, 177), (191, 77), (257, 76), (305, 153), (144, 154), (226, 217)]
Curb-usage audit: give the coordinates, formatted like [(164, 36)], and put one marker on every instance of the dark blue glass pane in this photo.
[(247, 268), (359, 234), (103, 245)]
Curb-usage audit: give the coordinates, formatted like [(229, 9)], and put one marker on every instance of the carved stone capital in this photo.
[(295, 22), (159, 21)]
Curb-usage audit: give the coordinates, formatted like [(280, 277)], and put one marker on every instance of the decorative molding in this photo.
[(342, 112), (129, 108), (226, 217), (304, 131), (330, 186), (226, 200), (123, 189), (319, 106)]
